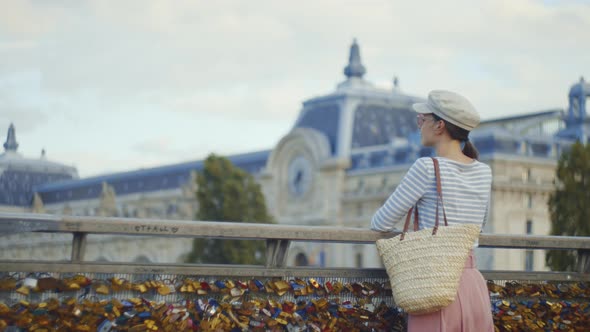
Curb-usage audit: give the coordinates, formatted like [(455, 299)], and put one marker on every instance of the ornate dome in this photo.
[(19, 175), (358, 114)]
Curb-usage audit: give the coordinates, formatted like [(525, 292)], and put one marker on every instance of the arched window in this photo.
[(142, 259), (301, 260)]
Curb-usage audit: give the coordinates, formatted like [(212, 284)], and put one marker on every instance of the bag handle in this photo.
[(439, 200)]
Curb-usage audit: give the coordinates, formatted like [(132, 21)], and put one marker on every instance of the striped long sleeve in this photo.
[(465, 187)]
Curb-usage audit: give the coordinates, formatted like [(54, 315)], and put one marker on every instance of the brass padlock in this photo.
[(337, 287), (166, 287), (149, 323), (163, 289), (142, 288), (4, 308), (7, 284), (160, 310), (117, 284), (281, 287), (205, 324), (81, 280), (23, 290), (71, 284), (116, 311), (138, 328), (182, 325), (102, 289)]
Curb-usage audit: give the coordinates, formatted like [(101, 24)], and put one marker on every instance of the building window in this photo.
[(529, 227), (526, 175), (529, 254), (301, 260), (360, 185), (172, 209), (142, 259), (529, 200)]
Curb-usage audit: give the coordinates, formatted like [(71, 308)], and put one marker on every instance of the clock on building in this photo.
[(299, 175)]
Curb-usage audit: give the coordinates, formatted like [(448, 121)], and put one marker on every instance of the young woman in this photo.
[(445, 121)]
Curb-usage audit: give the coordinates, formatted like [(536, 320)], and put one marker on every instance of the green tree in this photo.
[(227, 193), (569, 206)]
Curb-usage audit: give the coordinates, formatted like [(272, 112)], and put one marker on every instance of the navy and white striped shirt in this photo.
[(466, 195)]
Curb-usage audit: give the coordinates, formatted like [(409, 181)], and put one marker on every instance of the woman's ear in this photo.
[(440, 125)]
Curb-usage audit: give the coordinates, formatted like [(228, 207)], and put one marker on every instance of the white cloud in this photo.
[(151, 72)]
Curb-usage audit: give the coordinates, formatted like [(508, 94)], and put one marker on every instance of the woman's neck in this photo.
[(451, 149)]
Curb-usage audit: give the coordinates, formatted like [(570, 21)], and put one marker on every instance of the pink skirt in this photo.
[(471, 310)]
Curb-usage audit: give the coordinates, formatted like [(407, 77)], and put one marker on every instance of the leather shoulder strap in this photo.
[(439, 199)]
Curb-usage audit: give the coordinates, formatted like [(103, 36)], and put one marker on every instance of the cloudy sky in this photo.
[(118, 85)]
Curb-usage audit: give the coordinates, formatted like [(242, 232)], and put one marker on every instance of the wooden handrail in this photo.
[(27, 222), (277, 237)]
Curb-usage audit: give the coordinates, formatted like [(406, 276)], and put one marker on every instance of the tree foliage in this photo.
[(569, 205), (227, 193)]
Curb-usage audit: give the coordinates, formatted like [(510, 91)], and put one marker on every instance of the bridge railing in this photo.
[(362, 295), (277, 237)]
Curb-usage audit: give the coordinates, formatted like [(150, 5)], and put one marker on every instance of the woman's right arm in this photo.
[(408, 192)]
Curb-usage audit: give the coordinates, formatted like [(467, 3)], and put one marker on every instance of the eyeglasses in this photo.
[(421, 118)]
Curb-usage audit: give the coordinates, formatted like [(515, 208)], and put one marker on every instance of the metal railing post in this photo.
[(583, 261), (276, 253), (78, 246)]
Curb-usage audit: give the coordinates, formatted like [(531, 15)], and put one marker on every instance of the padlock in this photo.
[(212, 286), (102, 289), (30, 282), (205, 325), (337, 287), (166, 288), (81, 280), (7, 284), (149, 323), (138, 328), (159, 310), (236, 292), (71, 284), (142, 288), (76, 311), (105, 326), (117, 284), (281, 287), (130, 314), (47, 283), (23, 290)]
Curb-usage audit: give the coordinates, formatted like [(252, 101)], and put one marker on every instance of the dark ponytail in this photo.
[(462, 135), (470, 151)]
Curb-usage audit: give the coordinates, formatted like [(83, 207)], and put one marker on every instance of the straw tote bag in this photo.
[(425, 266)]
